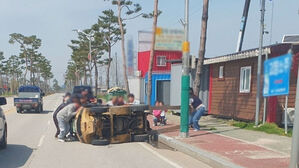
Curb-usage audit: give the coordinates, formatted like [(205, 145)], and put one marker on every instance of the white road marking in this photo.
[(41, 140), (160, 156)]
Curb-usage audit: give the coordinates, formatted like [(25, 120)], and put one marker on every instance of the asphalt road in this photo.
[(31, 143)]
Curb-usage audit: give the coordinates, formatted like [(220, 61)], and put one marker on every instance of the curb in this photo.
[(204, 156)]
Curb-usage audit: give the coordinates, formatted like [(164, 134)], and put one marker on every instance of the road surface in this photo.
[(31, 143)]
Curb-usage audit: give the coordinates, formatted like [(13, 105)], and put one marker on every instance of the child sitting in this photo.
[(157, 114), (163, 115)]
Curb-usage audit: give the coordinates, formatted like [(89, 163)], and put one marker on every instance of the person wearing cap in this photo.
[(65, 115), (66, 101)]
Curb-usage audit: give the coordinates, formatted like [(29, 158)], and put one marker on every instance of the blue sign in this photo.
[(277, 75)]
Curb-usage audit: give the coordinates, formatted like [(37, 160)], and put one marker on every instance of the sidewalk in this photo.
[(221, 145)]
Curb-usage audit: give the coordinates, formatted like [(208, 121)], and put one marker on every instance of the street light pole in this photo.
[(257, 108), (184, 126), (89, 37)]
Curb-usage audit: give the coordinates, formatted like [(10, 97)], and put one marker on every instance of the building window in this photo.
[(245, 79), (220, 72), (161, 61)]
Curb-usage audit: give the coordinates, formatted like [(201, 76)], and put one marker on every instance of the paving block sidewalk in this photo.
[(230, 146)]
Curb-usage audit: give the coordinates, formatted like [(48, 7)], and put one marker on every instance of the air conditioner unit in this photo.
[(290, 39), (290, 116), (138, 73)]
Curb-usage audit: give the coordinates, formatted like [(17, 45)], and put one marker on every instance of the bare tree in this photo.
[(202, 48)]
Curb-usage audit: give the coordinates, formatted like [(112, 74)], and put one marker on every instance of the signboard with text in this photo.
[(169, 39), (277, 75)]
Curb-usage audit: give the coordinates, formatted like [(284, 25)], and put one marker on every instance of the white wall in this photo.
[(135, 85), (175, 85)]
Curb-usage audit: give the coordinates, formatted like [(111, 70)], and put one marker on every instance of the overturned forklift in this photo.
[(102, 125)]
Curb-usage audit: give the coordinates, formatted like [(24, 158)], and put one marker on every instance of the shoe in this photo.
[(60, 140), (154, 125), (195, 130), (70, 139)]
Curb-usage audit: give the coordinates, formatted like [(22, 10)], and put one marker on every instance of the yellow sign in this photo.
[(158, 31), (186, 46)]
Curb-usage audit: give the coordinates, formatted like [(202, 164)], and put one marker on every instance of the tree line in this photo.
[(92, 43), (29, 67), (111, 28)]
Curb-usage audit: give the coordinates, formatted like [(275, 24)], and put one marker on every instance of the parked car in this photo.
[(3, 125), (30, 98)]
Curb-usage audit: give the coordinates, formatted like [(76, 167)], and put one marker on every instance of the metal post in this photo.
[(295, 138), (286, 116), (184, 126), (243, 25), (265, 100), (257, 108)]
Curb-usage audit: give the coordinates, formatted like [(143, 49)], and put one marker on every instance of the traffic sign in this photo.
[(277, 75)]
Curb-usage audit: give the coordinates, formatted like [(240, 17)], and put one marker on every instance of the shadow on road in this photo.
[(46, 112), (31, 112), (14, 156)]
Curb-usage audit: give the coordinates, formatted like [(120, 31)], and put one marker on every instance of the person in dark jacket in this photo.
[(197, 110), (66, 101)]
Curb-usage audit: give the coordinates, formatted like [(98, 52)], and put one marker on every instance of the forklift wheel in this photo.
[(100, 142), (141, 138)]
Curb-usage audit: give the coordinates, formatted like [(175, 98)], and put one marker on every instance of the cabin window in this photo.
[(245, 79), (221, 72), (161, 61)]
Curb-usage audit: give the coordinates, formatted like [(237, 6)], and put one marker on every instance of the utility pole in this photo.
[(295, 141), (116, 68), (243, 25), (258, 88), (184, 126)]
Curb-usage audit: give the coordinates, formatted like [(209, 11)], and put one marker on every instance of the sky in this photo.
[(54, 20)]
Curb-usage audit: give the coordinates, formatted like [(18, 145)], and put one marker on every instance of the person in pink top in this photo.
[(157, 114)]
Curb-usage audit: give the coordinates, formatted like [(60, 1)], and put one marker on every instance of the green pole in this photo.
[(184, 126)]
